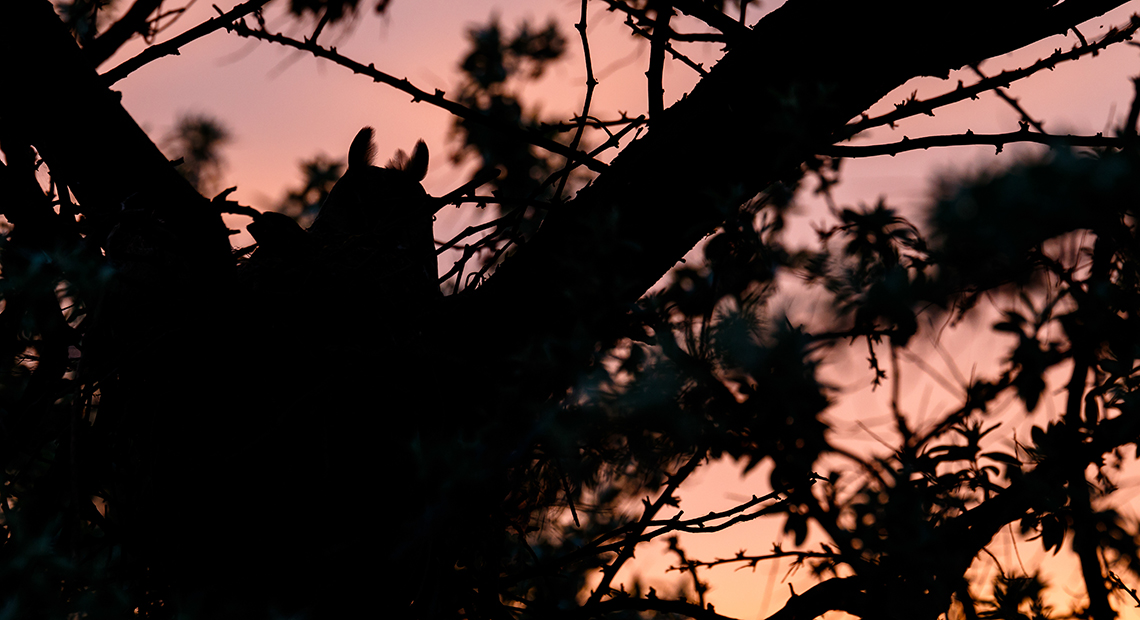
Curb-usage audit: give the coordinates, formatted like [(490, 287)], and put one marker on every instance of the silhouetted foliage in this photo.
[(320, 174), (310, 428), (197, 141), (496, 67)]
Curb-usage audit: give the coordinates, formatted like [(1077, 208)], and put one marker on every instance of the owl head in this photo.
[(369, 199)]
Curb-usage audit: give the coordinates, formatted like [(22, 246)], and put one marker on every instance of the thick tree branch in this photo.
[(104, 163), (839, 594), (719, 146), (680, 608)]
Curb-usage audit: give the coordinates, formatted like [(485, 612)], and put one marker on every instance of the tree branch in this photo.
[(437, 98), (838, 594), (133, 22), (589, 122), (997, 140), (731, 28), (633, 16), (1011, 102), (927, 106), (114, 159), (711, 151), (591, 83), (668, 47), (629, 543), (658, 41), (681, 608), (171, 47), (754, 560)]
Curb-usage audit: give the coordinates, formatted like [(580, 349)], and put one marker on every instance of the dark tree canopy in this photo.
[(322, 425)]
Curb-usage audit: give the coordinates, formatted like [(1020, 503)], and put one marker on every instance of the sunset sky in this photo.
[(281, 107)]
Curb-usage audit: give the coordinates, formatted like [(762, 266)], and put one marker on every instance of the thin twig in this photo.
[(634, 534), (658, 41), (633, 16), (754, 560), (589, 122), (927, 106), (651, 510), (156, 29), (591, 82), (133, 21), (997, 140), (689, 62), (460, 194), (690, 567), (320, 26), (896, 409), (1013, 103), (1130, 128), (437, 98), (698, 37), (471, 230)]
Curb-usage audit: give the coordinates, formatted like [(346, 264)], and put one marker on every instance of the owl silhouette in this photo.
[(381, 217)]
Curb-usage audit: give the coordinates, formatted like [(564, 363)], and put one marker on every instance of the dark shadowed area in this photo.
[(346, 411)]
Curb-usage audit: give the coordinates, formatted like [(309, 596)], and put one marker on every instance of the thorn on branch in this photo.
[(1081, 38), (971, 139), (418, 94)]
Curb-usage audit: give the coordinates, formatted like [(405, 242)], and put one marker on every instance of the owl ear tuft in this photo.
[(362, 151), (418, 164), (415, 166)]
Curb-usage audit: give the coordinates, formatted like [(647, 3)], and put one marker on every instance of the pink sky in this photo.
[(282, 107)]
